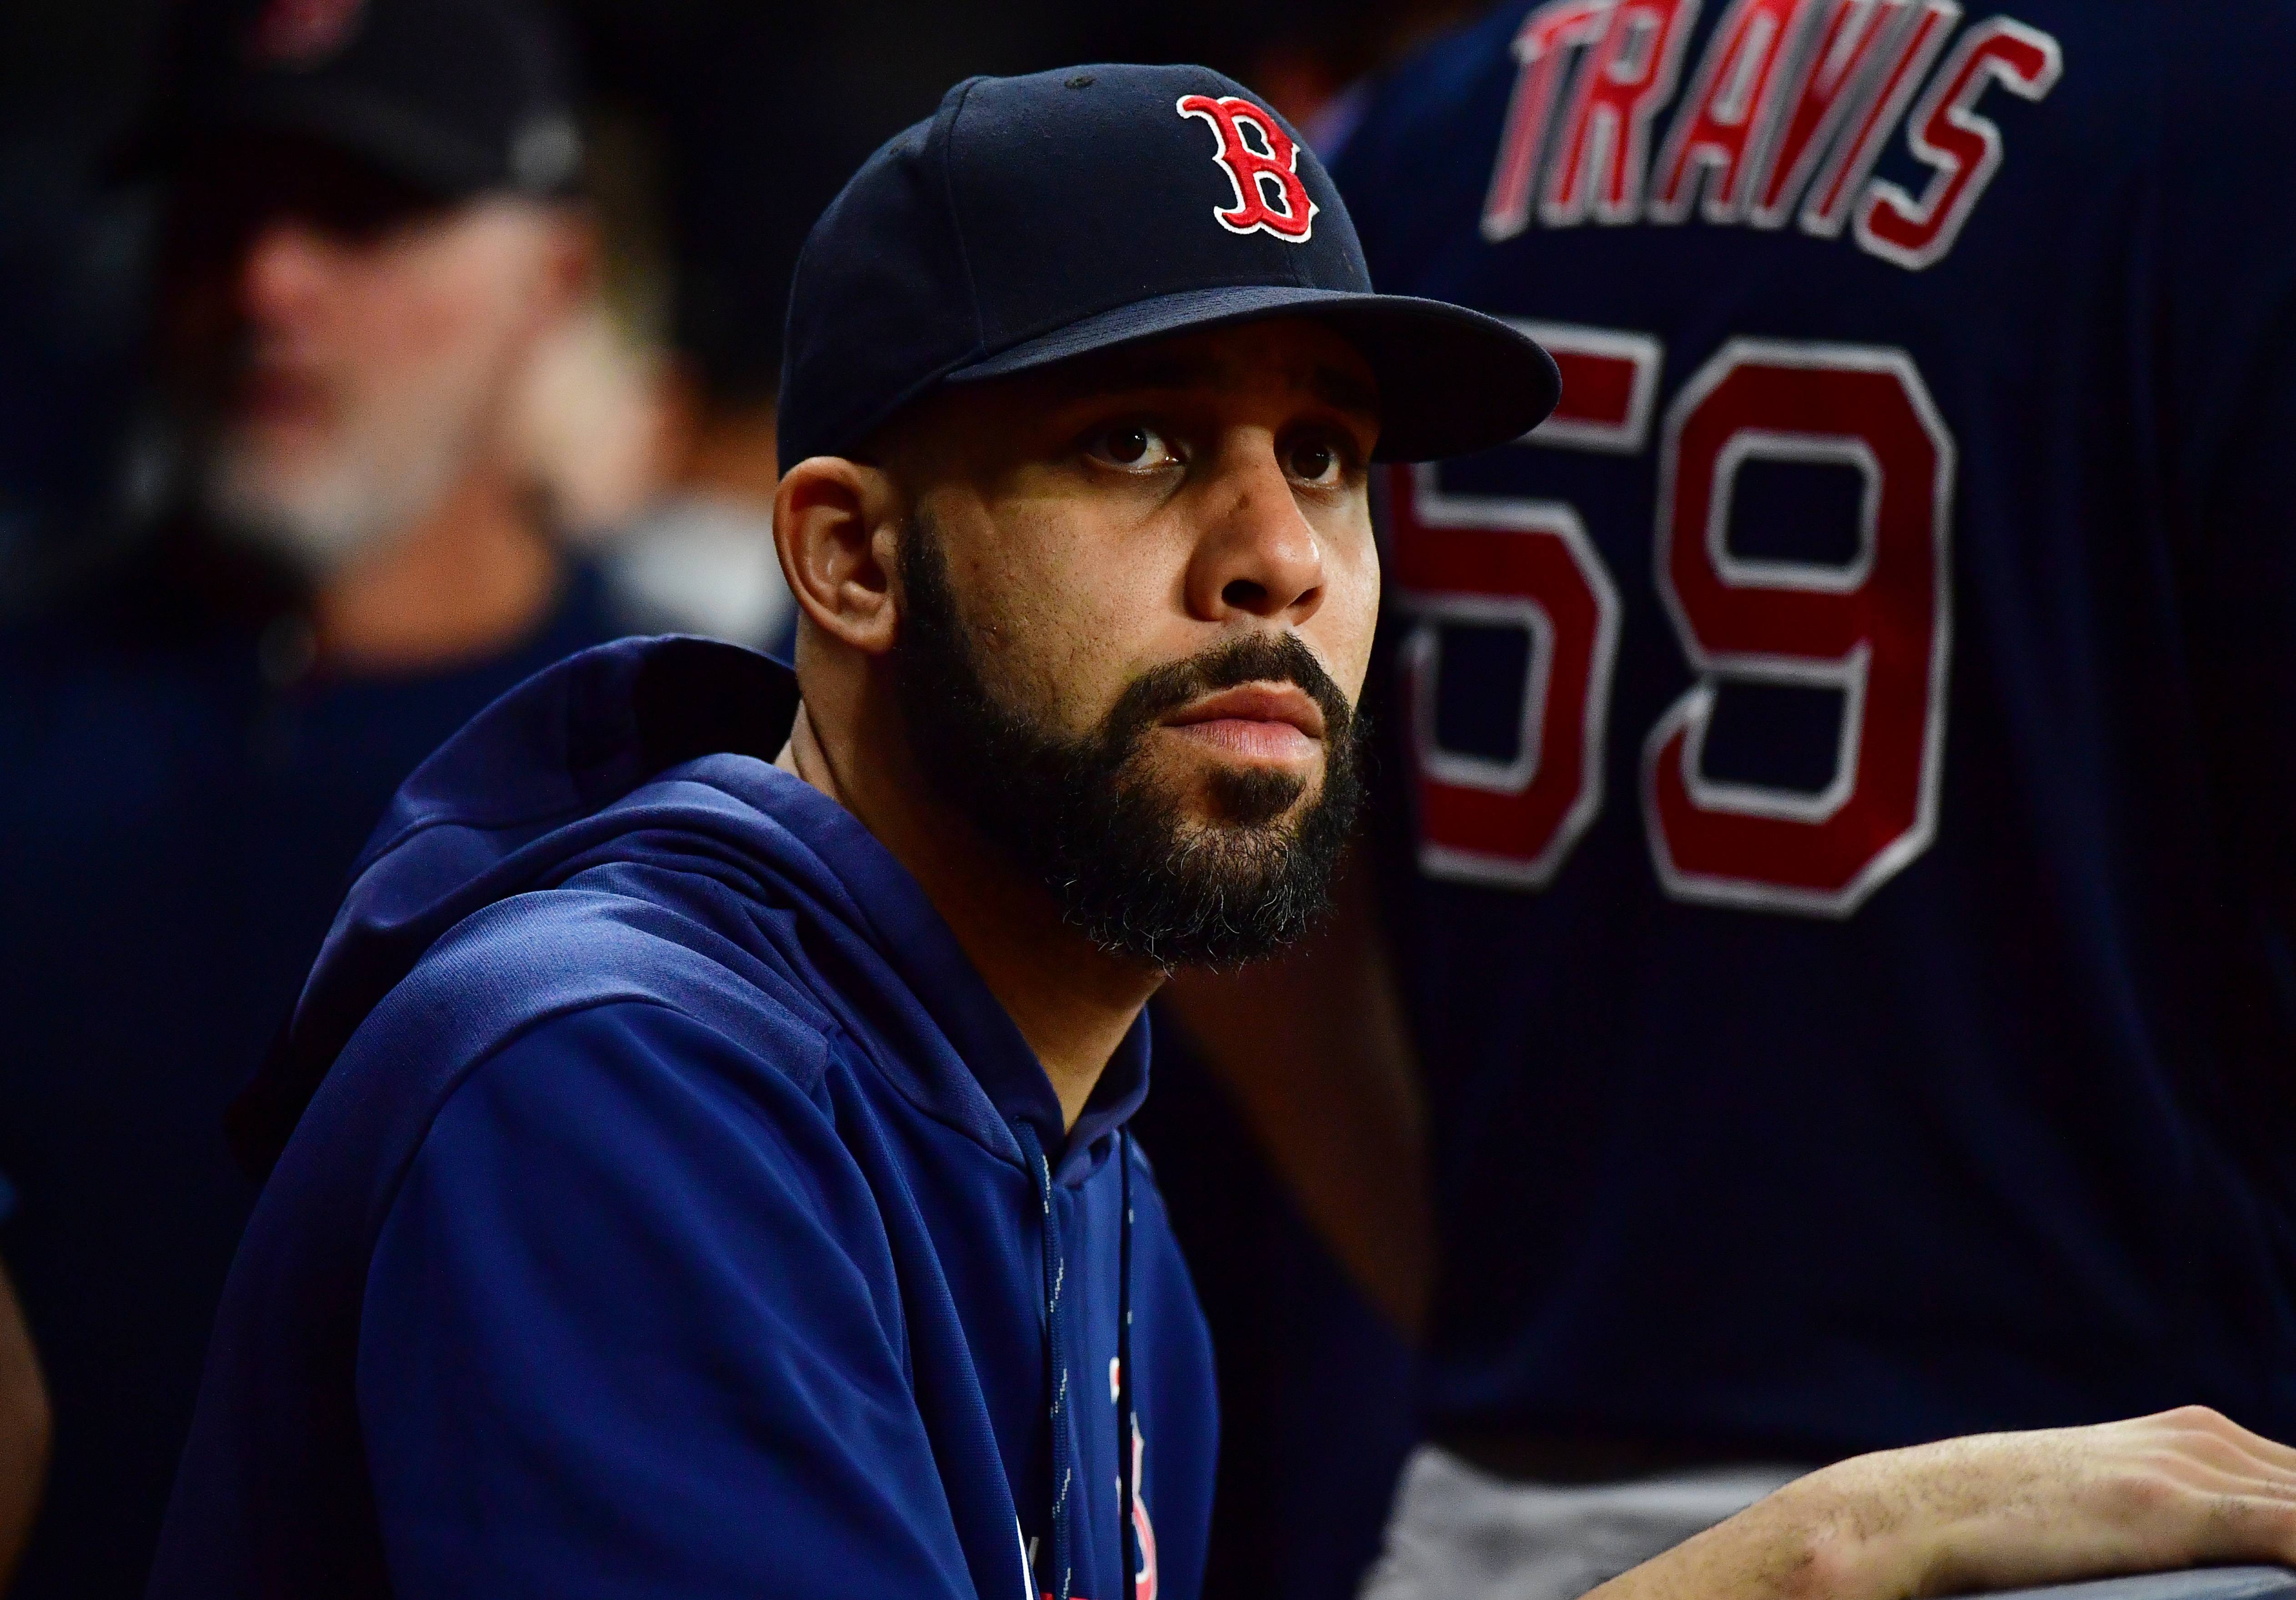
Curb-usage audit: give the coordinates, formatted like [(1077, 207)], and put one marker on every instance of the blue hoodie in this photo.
[(663, 1212)]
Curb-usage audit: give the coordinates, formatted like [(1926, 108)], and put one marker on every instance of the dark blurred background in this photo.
[(716, 130)]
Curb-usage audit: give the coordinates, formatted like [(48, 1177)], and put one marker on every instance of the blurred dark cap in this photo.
[(456, 97)]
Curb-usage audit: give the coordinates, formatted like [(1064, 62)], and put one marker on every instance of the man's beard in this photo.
[(1108, 839), (388, 464)]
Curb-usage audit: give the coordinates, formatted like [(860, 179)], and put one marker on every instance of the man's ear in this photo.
[(834, 526)]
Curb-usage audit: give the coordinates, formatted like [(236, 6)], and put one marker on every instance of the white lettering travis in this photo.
[(1787, 112)]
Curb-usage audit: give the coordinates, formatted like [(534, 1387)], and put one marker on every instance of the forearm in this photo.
[(1995, 1511), (1314, 1048), (24, 1431), (1780, 1548)]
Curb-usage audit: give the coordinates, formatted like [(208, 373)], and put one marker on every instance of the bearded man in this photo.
[(701, 1164), (369, 226)]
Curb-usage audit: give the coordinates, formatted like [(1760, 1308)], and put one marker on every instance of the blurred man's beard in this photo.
[(1112, 841), (386, 465)]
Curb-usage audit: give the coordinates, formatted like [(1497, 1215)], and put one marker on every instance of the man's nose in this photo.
[(283, 267), (1258, 556)]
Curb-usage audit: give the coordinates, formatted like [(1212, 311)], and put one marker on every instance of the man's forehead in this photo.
[(1300, 356)]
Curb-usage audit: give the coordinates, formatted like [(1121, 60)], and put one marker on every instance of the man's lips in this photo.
[(1258, 721), (278, 394)]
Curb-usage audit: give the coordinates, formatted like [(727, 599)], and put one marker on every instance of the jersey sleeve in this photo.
[(619, 1338)]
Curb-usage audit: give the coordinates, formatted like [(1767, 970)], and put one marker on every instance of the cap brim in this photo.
[(1451, 381)]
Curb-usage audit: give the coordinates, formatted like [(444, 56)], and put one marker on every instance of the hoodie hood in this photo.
[(658, 753), (642, 1102)]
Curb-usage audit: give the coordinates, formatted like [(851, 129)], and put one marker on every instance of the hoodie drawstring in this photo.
[(1062, 1569), (1127, 1534), (1056, 1374)]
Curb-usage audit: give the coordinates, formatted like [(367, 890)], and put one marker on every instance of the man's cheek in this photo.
[(1342, 629), (1015, 636)]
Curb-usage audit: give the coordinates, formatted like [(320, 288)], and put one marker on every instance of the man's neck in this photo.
[(1072, 1002), (469, 580)]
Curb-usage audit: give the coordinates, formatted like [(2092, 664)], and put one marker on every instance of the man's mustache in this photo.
[(1259, 658)]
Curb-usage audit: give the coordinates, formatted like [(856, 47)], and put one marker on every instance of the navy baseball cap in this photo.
[(455, 97), (1031, 220)]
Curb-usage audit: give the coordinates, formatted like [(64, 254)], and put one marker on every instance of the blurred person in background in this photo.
[(699, 558), (665, 488), (1834, 862), (370, 227), (738, 180), (657, 449)]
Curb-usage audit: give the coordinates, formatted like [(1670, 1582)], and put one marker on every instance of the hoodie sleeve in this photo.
[(624, 1333)]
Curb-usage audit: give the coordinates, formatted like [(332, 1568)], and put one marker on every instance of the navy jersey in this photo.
[(1842, 888)]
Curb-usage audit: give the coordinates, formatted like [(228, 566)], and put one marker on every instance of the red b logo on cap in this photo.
[(301, 33), (1268, 193)]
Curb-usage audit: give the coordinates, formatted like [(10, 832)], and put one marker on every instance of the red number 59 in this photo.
[(1877, 629)]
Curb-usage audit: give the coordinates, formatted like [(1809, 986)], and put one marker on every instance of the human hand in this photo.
[(2185, 1488)]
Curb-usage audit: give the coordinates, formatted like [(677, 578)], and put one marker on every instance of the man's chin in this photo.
[(1231, 799), (255, 477)]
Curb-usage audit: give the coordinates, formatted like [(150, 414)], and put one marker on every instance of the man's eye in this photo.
[(1133, 446), (1317, 461)]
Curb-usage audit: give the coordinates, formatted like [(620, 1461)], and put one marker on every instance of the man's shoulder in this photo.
[(546, 963), (655, 1093), (769, 1054), (598, 982)]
